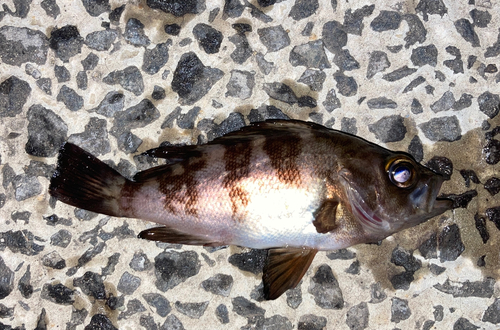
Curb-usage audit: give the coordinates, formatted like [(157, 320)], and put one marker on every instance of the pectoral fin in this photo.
[(169, 235), (284, 269), (324, 217)]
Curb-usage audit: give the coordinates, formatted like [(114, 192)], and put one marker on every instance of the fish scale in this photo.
[(291, 187)]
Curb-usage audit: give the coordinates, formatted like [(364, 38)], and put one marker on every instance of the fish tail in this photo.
[(83, 181)]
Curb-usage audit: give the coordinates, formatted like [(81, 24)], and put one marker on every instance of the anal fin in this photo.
[(284, 269), (169, 235)]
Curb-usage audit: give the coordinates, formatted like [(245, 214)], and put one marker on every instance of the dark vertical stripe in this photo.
[(283, 152)]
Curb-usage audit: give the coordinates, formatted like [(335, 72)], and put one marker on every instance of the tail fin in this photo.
[(84, 181)]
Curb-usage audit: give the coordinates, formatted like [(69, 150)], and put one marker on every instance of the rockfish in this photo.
[(292, 187)]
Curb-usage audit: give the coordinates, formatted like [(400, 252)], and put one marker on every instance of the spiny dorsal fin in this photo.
[(284, 269), (325, 215), (169, 235)]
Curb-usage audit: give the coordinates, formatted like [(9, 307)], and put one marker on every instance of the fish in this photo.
[(289, 186)]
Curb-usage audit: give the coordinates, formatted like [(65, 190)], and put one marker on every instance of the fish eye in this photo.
[(402, 172)]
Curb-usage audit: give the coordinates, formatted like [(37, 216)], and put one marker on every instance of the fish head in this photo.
[(388, 192)]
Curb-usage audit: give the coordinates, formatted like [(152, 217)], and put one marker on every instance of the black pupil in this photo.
[(401, 174)]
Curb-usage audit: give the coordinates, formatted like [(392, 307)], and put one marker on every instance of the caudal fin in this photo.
[(84, 181)]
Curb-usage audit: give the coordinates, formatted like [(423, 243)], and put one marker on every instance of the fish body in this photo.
[(289, 186)]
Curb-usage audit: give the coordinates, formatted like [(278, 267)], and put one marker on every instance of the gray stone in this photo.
[(381, 103), (158, 93), (53, 260), (192, 310), (178, 7), (128, 283), (265, 112), (187, 120), (243, 49), (134, 306), (32, 71), (95, 137), (82, 80), (310, 55), (416, 107), (96, 7), (22, 9), (431, 7), (51, 8), (314, 79), (100, 321), (389, 129), (421, 56), (377, 293), (416, 32), (14, 93), (134, 33), (492, 313), (159, 302), (456, 65), (450, 243), (154, 59), (101, 40), (345, 61), (307, 29), (414, 83), (442, 129), (480, 18), (400, 310), (140, 262), (128, 142), (208, 38), (172, 323), (480, 289), (46, 132), (111, 104), (444, 103), (466, 30), (264, 66), (21, 215), (489, 104), (91, 284), (277, 322), (334, 36), (19, 45), (173, 268), (222, 314), (416, 149), (45, 84), (280, 92), (8, 175), (325, 289), (62, 74), (378, 62), (66, 42), (331, 102), (399, 73), (346, 85), (6, 312), (438, 313), (386, 21), (311, 322), (172, 29), (493, 50), (219, 284), (115, 14), (129, 78), (21, 242), (6, 279), (62, 238), (240, 84), (353, 21), (58, 294), (303, 9), (294, 297), (358, 316), (274, 38), (70, 98), (192, 80), (464, 324), (110, 266), (246, 308)]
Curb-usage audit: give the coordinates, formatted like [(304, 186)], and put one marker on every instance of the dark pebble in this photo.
[(446, 102), (431, 7), (294, 297), (58, 294), (345, 61), (399, 74), (100, 322), (404, 258), (134, 306), (266, 112), (240, 84), (129, 78), (192, 80), (51, 8), (26, 187), (413, 84), (62, 74), (346, 86), (110, 266), (95, 137), (348, 125), (466, 30), (159, 302), (45, 84), (264, 66), (491, 152), (489, 104), (461, 200), (481, 262), (115, 14), (334, 37), (492, 185), (140, 262), (192, 310), (469, 175), (395, 49), (115, 303), (342, 254), (421, 56), (417, 31), (252, 261), (172, 322), (492, 313), (134, 33), (222, 314), (70, 98), (357, 317), (402, 280), (154, 59), (243, 51), (17, 45), (307, 31), (6, 279), (436, 270), (274, 38), (386, 20), (158, 93), (209, 38), (378, 62), (128, 283), (464, 324), (415, 148), (429, 89), (381, 103), (53, 260), (62, 238), (128, 142), (280, 92), (113, 102), (96, 8), (66, 42), (325, 289), (178, 7), (464, 102), (311, 322), (389, 129), (310, 55), (14, 93), (450, 243), (493, 215), (24, 284), (353, 21), (91, 284), (313, 78), (173, 268), (442, 129), (46, 132), (246, 308), (6, 312), (400, 310), (219, 284), (172, 29), (354, 268), (101, 40), (303, 9)]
